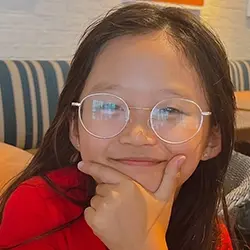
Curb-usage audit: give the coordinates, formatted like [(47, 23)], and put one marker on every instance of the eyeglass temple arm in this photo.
[(76, 104), (206, 113)]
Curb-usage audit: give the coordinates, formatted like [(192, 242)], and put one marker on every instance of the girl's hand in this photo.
[(123, 214)]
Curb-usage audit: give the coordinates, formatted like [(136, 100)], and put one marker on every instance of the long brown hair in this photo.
[(193, 223)]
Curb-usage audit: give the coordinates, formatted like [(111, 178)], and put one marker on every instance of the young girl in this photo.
[(137, 153)]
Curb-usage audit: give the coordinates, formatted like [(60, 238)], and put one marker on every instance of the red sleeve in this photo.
[(25, 216), (226, 243)]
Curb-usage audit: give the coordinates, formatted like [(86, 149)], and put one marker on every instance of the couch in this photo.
[(12, 161), (29, 93)]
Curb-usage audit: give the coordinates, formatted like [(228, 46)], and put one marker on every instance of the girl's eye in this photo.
[(170, 110)]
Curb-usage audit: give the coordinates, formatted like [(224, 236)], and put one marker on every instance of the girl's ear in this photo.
[(213, 147), (74, 135)]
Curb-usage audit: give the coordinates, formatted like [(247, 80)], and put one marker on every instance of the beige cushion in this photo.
[(12, 161)]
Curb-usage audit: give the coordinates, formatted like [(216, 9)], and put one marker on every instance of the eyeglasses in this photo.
[(174, 120)]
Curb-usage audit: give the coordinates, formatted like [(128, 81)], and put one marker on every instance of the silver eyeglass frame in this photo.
[(79, 104)]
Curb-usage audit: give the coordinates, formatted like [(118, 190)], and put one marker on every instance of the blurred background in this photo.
[(50, 29)]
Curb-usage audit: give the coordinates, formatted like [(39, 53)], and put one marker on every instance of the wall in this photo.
[(228, 18), (50, 29), (46, 29)]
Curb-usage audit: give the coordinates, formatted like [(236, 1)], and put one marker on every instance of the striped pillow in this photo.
[(29, 92), (240, 74)]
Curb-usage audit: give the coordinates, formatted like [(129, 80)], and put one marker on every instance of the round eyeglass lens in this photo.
[(104, 115), (176, 120)]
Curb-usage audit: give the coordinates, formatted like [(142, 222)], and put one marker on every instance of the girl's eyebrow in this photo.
[(106, 86), (175, 92)]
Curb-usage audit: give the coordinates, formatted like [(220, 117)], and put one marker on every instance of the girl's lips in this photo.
[(143, 162)]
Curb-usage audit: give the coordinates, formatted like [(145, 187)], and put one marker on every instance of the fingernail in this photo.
[(80, 164)]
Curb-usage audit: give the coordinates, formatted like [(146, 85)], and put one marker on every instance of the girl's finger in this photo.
[(102, 172), (105, 190), (89, 214), (96, 201), (169, 181)]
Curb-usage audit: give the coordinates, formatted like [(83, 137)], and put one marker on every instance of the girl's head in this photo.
[(137, 57), (155, 83), (142, 103)]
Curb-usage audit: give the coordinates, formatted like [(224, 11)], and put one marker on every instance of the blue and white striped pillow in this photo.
[(240, 74), (29, 92)]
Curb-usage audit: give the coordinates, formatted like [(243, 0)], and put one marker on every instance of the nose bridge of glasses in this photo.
[(131, 119), (140, 108)]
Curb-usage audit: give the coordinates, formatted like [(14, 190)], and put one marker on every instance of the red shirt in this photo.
[(35, 208)]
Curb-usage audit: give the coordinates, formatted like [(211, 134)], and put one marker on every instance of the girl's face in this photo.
[(144, 70)]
